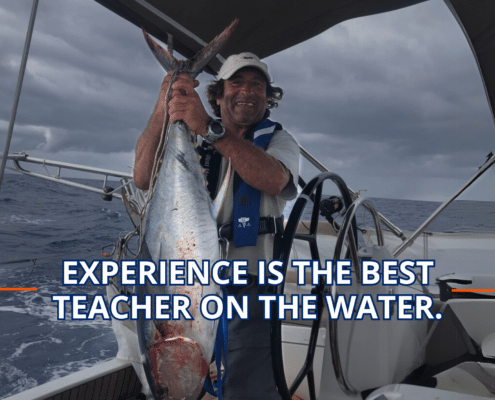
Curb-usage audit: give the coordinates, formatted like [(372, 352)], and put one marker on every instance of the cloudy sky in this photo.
[(393, 103)]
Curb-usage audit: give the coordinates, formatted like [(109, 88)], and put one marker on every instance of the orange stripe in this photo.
[(18, 289), (473, 290)]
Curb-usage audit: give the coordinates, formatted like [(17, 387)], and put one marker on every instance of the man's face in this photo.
[(244, 98)]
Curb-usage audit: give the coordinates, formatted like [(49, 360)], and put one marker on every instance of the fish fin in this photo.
[(167, 61), (205, 55), (222, 192)]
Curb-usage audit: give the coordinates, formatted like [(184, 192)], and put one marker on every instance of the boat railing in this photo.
[(126, 180), (410, 240), (106, 191), (393, 228)]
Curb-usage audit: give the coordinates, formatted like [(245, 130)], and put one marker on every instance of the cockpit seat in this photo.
[(453, 362)]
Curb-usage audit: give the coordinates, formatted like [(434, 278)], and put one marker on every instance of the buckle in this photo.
[(275, 229), (220, 234), (224, 247)]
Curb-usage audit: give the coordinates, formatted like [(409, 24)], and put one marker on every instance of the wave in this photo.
[(13, 380), (24, 219)]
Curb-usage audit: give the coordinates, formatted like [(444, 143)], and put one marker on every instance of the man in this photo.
[(265, 159)]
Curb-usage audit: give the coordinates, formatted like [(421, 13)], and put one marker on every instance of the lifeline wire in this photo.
[(33, 260)]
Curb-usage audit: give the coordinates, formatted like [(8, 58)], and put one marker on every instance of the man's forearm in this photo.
[(146, 148), (257, 168)]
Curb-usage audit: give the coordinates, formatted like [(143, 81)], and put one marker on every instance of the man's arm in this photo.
[(149, 140), (257, 168)]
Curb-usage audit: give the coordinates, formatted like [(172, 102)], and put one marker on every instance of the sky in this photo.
[(393, 103)]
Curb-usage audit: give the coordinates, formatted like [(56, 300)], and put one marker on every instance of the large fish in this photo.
[(180, 224)]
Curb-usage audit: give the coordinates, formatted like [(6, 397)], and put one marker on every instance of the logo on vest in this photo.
[(244, 221)]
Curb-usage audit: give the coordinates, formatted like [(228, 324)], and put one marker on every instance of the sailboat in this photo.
[(447, 353)]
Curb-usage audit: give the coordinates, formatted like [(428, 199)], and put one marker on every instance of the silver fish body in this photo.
[(179, 225)]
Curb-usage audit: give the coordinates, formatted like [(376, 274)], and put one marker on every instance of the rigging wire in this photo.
[(17, 95)]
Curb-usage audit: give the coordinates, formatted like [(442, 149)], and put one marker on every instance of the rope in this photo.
[(159, 154)]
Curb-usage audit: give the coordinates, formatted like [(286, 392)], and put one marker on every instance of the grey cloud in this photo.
[(418, 108), (384, 100)]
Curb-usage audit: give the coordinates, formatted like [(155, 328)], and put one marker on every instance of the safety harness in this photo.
[(246, 224)]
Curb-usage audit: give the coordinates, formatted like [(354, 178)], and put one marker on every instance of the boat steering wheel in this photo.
[(312, 191)]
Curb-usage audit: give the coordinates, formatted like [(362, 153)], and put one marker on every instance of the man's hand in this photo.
[(185, 104)]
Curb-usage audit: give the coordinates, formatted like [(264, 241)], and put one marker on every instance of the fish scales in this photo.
[(180, 213), (179, 225)]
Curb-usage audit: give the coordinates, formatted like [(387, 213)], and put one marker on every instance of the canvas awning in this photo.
[(269, 26)]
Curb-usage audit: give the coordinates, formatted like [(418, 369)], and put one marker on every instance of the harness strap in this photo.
[(220, 350), (247, 199), (270, 225)]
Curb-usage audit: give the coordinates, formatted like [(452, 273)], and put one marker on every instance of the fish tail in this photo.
[(204, 56), (167, 61), (199, 61)]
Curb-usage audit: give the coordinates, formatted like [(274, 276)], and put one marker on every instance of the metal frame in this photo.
[(20, 79), (395, 230), (125, 179), (343, 238), (488, 163)]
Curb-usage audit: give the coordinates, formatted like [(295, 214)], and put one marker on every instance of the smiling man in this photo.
[(265, 160)]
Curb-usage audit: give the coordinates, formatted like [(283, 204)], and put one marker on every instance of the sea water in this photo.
[(43, 223)]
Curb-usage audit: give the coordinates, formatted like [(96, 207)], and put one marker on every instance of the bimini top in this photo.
[(269, 26)]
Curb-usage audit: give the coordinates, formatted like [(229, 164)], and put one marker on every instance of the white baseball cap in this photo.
[(237, 61)]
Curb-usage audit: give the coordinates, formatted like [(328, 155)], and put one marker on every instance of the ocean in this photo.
[(43, 223)]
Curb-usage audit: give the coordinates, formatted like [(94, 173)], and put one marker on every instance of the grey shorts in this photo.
[(249, 363)]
